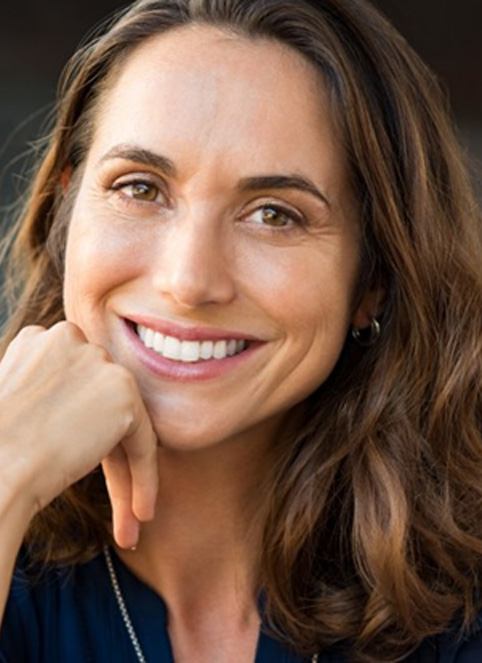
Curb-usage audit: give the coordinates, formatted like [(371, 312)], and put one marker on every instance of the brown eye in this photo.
[(271, 216), (143, 191), (139, 190), (274, 216)]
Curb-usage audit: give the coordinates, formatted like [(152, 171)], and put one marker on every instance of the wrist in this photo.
[(15, 500)]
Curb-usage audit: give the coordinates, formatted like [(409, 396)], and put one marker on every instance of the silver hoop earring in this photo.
[(368, 335)]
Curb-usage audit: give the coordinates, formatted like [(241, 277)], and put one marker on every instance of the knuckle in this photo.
[(67, 329), (28, 330), (127, 419), (126, 386), (124, 376), (126, 393), (25, 334), (100, 352)]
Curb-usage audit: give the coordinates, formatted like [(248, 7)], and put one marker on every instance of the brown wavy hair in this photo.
[(373, 534)]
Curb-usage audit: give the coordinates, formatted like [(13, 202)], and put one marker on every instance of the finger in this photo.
[(141, 448), (26, 334), (119, 486)]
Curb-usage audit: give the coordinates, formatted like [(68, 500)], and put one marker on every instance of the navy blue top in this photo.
[(71, 616)]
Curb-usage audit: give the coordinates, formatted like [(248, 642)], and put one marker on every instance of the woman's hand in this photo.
[(64, 408)]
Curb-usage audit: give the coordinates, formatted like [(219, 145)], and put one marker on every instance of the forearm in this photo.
[(15, 516)]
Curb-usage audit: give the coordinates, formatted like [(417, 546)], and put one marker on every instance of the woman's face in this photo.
[(173, 225)]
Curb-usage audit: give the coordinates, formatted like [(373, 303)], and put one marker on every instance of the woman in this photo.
[(245, 325)]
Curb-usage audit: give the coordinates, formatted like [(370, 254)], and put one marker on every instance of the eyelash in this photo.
[(298, 220), (130, 200)]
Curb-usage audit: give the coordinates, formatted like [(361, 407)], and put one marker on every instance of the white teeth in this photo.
[(149, 338), (171, 348), (207, 348), (158, 342), (220, 350), (188, 351), (142, 331)]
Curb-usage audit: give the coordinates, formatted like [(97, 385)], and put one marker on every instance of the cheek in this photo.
[(309, 298), (305, 288), (98, 259)]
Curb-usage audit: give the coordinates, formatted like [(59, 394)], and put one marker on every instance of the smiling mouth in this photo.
[(191, 351)]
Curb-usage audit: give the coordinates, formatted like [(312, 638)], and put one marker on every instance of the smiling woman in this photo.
[(240, 376)]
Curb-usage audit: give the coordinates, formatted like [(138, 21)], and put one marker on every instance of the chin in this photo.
[(179, 438)]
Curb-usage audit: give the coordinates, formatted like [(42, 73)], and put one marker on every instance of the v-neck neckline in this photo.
[(149, 616)]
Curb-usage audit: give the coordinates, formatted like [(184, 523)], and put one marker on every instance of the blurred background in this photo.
[(37, 38)]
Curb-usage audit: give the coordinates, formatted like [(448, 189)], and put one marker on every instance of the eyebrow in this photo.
[(140, 155), (293, 181), (246, 184)]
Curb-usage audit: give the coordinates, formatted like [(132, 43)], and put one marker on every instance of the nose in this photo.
[(193, 266)]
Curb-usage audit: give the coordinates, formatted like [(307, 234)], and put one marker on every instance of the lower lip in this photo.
[(183, 371)]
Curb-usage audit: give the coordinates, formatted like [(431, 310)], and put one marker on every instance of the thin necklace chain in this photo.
[(125, 614), (123, 608)]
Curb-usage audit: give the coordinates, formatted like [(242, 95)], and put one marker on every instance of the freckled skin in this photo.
[(221, 108)]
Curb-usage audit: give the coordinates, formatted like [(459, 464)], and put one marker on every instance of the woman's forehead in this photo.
[(201, 94)]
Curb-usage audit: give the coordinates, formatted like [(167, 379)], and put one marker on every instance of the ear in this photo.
[(65, 177), (370, 306)]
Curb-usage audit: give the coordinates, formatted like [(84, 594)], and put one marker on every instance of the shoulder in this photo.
[(47, 605), (462, 648), (51, 584), (452, 646)]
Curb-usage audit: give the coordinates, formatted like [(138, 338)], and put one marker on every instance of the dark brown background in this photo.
[(36, 39)]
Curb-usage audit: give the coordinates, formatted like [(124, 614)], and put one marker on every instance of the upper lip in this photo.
[(188, 332)]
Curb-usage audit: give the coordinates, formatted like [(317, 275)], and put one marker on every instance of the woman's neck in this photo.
[(200, 553)]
